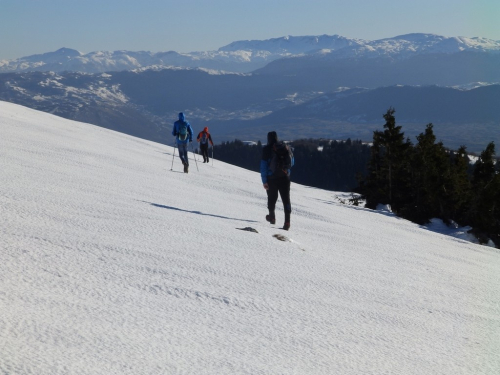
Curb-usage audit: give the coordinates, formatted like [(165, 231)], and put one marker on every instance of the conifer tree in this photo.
[(460, 187), (484, 210), (431, 179), (388, 178)]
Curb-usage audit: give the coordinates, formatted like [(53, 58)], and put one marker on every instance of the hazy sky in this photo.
[(36, 26)]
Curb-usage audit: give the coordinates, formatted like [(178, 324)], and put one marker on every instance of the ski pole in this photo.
[(196, 162), (173, 155), (212, 155)]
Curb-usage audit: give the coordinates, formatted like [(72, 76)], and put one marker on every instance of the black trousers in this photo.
[(279, 186), (204, 151)]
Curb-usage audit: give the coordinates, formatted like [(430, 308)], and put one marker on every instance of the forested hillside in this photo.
[(325, 164)]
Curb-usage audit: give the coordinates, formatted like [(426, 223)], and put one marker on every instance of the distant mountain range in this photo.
[(323, 86), (145, 104), (249, 55)]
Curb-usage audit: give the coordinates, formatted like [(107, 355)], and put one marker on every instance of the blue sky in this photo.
[(36, 26)]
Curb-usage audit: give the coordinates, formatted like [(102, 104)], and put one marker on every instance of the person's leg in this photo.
[(272, 197), (284, 191), (204, 151), (180, 147), (185, 153), (184, 156)]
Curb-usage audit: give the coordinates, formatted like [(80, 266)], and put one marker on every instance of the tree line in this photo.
[(425, 180), (325, 164), (419, 181)]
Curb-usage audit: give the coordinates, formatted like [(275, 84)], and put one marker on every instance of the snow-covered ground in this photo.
[(111, 263)]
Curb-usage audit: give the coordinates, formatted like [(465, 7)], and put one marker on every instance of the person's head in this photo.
[(272, 138), (181, 116), (205, 129)]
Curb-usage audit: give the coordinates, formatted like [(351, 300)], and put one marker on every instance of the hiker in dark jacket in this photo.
[(275, 174), (204, 137), (184, 135)]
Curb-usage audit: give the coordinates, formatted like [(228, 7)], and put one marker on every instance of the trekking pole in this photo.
[(173, 155), (212, 155), (192, 149)]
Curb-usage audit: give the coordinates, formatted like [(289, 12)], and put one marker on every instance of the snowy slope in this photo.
[(113, 264)]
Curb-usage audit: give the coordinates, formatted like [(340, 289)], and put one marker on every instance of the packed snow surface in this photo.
[(114, 264)]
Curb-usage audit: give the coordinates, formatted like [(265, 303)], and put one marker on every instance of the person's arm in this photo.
[(190, 132), (174, 130), (210, 139), (264, 168), (263, 173)]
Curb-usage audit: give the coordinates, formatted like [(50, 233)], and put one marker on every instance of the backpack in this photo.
[(204, 138), (281, 160), (183, 131)]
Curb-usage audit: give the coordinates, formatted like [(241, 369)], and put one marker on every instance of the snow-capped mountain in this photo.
[(249, 55), (142, 91), (105, 61), (114, 264), (405, 46), (294, 45)]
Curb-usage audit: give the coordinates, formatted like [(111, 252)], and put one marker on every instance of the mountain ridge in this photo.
[(142, 103), (139, 92), (248, 55)]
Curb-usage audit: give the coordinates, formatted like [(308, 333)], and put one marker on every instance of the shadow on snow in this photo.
[(198, 212)]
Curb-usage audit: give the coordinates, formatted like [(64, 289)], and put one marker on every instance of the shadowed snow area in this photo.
[(111, 263)]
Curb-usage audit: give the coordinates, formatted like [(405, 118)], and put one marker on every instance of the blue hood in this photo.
[(181, 116)]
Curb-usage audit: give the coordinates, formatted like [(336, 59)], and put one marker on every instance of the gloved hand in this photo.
[(190, 140)]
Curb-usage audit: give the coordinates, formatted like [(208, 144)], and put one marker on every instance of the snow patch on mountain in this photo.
[(405, 46), (247, 55), (291, 45)]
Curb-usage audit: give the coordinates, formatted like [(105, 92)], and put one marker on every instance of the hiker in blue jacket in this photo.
[(275, 167), (184, 135)]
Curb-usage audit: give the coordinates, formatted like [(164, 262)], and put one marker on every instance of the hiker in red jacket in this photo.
[(204, 137)]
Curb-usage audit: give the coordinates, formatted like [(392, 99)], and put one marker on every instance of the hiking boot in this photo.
[(186, 168), (286, 226), (271, 219)]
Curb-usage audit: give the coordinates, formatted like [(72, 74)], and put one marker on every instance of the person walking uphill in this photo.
[(204, 137), (275, 166), (184, 135)]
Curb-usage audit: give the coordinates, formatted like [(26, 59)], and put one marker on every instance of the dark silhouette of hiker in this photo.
[(275, 165), (204, 138)]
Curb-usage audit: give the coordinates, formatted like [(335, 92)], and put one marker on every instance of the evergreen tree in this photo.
[(431, 180), (460, 187), (485, 207), (388, 180), (484, 169)]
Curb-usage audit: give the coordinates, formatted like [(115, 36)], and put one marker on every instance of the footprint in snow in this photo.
[(286, 239), (281, 237), (248, 229)]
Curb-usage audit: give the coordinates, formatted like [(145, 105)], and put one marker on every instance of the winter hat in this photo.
[(181, 116), (272, 138)]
